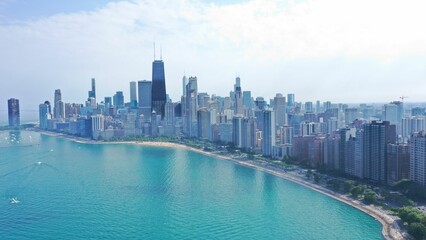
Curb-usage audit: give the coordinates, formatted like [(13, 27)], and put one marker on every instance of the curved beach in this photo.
[(390, 228)]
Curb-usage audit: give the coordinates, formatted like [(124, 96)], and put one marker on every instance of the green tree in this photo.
[(411, 215), (348, 185), (334, 184), (358, 190), (369, 196), (417, 230)]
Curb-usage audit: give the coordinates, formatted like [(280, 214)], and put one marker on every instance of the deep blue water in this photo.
[(82, 191)]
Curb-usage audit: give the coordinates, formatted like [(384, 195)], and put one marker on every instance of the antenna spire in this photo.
[(154, 51), (161, 52)]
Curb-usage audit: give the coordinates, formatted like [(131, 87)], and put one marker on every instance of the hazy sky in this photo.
[(337, 50)]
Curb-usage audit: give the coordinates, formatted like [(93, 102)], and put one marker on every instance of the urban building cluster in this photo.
[(384, 144)]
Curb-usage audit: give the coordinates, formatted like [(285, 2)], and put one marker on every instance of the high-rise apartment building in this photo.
[(377, 136), (268, 140), (280, 110), (411, 125), (398, 166), (204, 124), (98, 125), (418, 158), (237, 132), (248, 134)]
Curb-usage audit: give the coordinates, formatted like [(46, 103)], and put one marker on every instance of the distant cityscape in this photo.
[(384, 145)]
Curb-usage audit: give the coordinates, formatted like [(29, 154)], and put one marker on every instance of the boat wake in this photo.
[(14, 200)]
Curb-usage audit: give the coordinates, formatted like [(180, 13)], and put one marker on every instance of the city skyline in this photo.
[(306, 54)]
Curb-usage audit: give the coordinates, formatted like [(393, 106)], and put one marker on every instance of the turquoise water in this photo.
[(82, 191)]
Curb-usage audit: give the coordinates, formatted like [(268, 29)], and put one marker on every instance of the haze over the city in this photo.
[(342, 51)]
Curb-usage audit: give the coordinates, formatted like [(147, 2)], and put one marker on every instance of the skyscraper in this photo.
[(318, 107), (184, 82), (268, 139), (59, 106), (351, 114), (249, 133), (92, 93), (133, 95), (118, 99), (108, 102), (98, 125), (309, 108), (169, 113), (346, 134), (238, 101), (158, 87), (237, 83), (418, 158), (398, 162), (390, 113), (191, 101), (204, 123), (280, 110), (237, 132), (247, 101), (377, 136), (393, 113), (290, 101), (13, 110), (44, 114), (145, 99)]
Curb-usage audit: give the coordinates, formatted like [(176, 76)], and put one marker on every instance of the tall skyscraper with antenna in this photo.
[(158, 86)]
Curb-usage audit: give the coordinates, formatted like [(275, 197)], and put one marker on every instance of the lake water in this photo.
[(82, 191)]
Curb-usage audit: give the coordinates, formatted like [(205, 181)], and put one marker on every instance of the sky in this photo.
[(350, 51)]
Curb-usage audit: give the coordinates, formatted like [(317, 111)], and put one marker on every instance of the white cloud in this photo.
[(268, 42), (381, 29)]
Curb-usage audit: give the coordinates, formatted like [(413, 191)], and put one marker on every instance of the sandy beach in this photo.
[(390, 228)]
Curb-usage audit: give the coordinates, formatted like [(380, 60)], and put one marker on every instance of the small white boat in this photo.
[(14, 200), (39, 163)]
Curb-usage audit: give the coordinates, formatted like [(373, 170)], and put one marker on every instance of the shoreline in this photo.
[(390, 228)]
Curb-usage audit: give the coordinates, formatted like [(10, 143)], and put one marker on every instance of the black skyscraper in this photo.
[(158, 87)]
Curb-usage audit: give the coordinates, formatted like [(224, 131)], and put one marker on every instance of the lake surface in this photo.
[(82, 191)]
